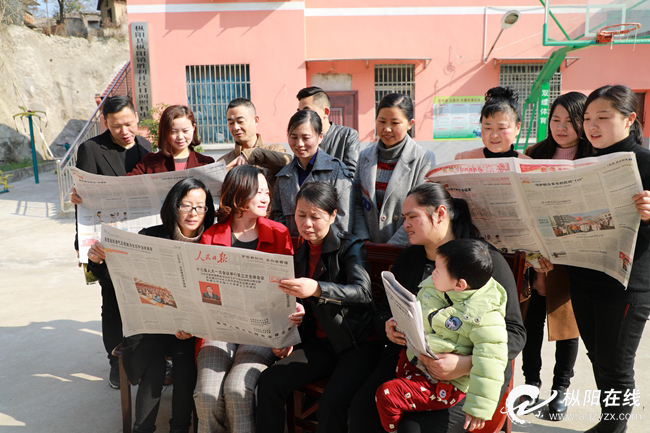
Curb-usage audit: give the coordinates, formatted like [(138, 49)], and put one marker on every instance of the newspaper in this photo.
[(407, 312), (220, 293), (578, 213), (131, 202)]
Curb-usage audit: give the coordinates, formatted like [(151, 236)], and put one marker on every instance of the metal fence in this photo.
[(121, 85), (394, 79), (209, 90), (520, 77)]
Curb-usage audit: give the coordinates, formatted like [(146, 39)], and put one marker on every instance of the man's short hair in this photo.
[(320, 97), (115, 104), (242, 102), (468, 259)]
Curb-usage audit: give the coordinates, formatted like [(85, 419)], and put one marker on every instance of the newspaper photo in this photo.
[(578, 213), (220, 293), (407, 312), (131, 202)]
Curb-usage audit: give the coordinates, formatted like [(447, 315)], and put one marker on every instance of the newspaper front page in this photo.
[(407, 312), (131, 202), (220, 293), (578, 213)]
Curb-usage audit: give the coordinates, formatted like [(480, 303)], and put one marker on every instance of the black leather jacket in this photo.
[(344, 308)]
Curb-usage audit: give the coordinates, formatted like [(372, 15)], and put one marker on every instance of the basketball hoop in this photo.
[(607, 33)]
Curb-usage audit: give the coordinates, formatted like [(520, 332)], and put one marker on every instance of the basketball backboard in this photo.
[(578, 23)]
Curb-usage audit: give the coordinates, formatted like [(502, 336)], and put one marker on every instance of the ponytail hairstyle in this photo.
[(624, 101), (305, 116), (574, 104), (431, 195), (501, 99), (398, 100), (321, 195)]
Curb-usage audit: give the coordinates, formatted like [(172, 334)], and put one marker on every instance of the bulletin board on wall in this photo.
[(457, 117)]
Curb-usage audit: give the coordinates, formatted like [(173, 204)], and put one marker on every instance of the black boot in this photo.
[(526, 398), (558, 405), (114, 375)]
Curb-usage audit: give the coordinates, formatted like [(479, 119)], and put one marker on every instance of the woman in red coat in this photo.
[(177, 139), (228, 372)]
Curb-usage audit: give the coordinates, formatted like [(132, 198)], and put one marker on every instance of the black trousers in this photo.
[(147, 400), (566, 351), (111, 319), (611, 328), (312, 361)]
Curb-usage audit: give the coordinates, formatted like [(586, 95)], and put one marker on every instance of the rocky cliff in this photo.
[(54, 74)]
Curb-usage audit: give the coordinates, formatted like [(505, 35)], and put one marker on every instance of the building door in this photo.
[(344, 108)]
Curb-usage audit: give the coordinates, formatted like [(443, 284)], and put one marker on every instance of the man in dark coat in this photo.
[(338, 141), (113, 153)]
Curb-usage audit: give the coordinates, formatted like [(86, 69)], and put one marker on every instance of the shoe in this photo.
[(527, 398), (558, 405), (114, 376)]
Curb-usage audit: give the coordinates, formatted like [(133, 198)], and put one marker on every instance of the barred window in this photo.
[(209, 90), (520, 77), (394, 79)]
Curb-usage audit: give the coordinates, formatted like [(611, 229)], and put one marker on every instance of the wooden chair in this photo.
[(299, 411), (125, 397), (381, 257)]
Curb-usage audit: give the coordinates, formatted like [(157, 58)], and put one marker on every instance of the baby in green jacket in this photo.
[(463, 309)]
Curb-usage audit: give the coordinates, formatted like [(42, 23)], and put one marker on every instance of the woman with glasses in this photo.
[(228, 372), (186, 213)]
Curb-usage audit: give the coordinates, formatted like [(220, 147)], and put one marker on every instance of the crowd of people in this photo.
[(335, 197)]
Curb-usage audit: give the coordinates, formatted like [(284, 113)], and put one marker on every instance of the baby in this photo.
[(463, 309)]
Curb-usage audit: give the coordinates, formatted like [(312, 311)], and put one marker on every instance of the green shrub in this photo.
[(153, 124)]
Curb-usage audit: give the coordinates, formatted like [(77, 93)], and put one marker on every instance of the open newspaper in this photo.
[(131, 202), (221, 293), (578, 213), (407, 312)]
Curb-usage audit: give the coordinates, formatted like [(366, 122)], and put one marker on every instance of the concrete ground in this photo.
[(53, 368)]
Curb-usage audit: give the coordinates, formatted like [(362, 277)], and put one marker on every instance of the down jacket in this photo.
[(470, 322)]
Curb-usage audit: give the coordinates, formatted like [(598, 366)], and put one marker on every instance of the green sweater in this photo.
[(470, 323)]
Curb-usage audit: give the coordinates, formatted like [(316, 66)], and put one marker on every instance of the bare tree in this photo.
[(64, 7), (11, 12)]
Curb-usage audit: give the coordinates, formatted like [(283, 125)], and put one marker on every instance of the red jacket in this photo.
[(160, 163), (273, 237)]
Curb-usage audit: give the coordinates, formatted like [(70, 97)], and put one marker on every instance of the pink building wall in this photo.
[(271, 42), (286, 47)]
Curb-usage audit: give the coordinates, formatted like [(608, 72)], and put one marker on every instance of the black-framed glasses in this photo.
[(186, 208)]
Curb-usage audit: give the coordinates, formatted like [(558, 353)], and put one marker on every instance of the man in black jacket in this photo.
[(338, 141), (113, 153)]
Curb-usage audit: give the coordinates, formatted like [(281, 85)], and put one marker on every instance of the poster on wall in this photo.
[(457, 117)]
